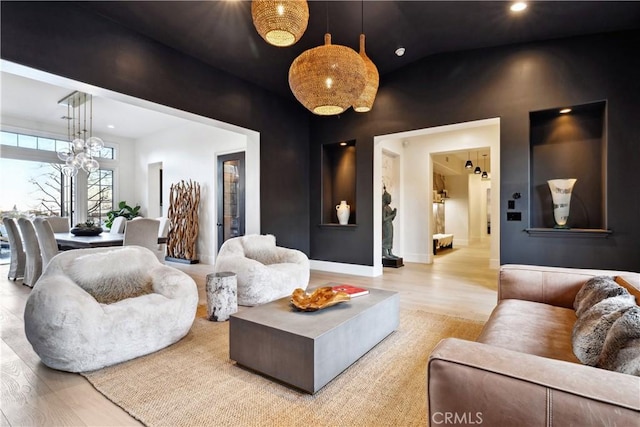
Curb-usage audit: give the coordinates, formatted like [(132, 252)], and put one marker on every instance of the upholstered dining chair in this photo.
[(18, 257), (118, 225), (59, 224), (46, 240), (142, 232), (33, 265), (163, 231)]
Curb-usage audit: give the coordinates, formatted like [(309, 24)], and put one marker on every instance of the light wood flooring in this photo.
[(459, 283)]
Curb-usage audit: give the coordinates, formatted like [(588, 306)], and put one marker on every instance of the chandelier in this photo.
[(280, 22), (327, 79), (365, 101), (82, 144)]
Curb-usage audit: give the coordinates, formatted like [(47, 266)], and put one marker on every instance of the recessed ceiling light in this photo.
[(343, 143), (518, 6), (565, 110), (400, 51), (111, 126)]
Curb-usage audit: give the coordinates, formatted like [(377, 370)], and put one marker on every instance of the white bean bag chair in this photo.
[(93, 308), (265, 272)]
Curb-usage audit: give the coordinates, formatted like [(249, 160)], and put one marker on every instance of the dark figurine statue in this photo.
[(388, 215)]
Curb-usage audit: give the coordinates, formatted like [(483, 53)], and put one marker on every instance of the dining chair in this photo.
[(33, 265), (142, 232), (163, 231), (18, 257), (118, 225), (59, 224), (46, 240)]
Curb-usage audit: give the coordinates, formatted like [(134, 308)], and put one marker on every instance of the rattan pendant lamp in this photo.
[(280, 22), (364, 103), (327, 79)]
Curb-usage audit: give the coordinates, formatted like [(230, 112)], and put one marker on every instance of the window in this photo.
[(35, 188), (34, 184), (46, 144), (99, 195)]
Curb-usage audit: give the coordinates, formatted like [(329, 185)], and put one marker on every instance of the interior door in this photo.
[(231, 199)]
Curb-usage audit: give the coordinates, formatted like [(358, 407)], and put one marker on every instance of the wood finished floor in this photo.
[(459, 283)]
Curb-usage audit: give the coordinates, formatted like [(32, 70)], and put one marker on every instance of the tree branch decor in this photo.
[(184, 199)]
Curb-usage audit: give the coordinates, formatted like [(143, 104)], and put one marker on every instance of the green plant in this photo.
[(123, 210)]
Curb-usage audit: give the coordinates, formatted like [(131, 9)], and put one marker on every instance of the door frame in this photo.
[(220, 159)]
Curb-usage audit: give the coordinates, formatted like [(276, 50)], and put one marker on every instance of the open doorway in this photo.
[(416, 183), (461, 202)]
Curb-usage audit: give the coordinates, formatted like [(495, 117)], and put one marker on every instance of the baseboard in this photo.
[(417, 258), (338, 267)]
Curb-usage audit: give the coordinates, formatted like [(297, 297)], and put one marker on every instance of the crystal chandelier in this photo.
[(82, 144)]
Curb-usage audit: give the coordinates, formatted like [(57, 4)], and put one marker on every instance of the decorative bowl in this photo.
[(320, 298), (85, 231)]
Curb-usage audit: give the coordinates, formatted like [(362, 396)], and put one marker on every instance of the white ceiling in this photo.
[(452, 163), (34, 101)]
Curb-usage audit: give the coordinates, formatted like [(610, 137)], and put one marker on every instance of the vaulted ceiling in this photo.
[(221, 33)]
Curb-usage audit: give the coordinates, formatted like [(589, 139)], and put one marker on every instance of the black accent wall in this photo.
[(67, 40), (509, 83)]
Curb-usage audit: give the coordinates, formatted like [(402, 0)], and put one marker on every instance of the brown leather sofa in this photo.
[(522, 370)]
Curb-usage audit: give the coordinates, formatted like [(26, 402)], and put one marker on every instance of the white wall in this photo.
[(189, 152), (457, 209)]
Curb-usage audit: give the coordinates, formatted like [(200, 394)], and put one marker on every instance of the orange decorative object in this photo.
[(320, 298)]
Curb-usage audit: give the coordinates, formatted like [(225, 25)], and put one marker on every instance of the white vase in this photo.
[(343, 211), (561, 195)]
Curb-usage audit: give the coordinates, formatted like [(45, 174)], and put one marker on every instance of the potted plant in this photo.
[(123, 210), (88, 228)]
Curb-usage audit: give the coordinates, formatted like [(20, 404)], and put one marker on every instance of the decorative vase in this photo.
[(561, 195), (343, 210)]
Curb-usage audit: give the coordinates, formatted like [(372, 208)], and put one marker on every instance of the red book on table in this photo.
[(353, 291)]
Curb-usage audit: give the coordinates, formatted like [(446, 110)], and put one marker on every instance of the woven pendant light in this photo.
[(280, 22), (327, 79), (364, 103)]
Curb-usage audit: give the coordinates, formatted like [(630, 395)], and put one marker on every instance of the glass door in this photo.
[(231, 202)]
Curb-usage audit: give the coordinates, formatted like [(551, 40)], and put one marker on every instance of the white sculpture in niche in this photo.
[(561, 195)]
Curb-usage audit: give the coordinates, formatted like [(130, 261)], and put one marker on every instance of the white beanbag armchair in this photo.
[(93, 308), (265, 272)]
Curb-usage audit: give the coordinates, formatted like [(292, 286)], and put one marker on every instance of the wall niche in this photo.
[(338, 180), (572, 144)]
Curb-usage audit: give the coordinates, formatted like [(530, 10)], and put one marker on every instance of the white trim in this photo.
[(337, 267), (418, 258)]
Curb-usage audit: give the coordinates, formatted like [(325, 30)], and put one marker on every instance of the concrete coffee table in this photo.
[(309, 349)]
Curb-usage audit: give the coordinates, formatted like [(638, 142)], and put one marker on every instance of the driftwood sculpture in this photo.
[(184, 199)]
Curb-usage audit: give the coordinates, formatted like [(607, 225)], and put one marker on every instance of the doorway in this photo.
[(415, 149), (231, 196)]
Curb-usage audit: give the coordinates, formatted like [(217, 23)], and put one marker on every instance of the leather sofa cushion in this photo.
[(531, 327)]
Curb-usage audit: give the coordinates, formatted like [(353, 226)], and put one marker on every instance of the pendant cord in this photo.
[(327, 3), (362, 15)]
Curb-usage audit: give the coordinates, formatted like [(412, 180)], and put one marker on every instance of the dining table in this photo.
[(71, 241)]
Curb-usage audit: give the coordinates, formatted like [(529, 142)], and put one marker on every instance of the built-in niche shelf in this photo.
[(569, 145), (338, 182), (568, 232)]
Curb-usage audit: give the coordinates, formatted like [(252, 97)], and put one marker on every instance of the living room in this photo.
[(505, 82)]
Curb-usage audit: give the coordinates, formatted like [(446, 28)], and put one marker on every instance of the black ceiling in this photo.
[(221, 33)]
